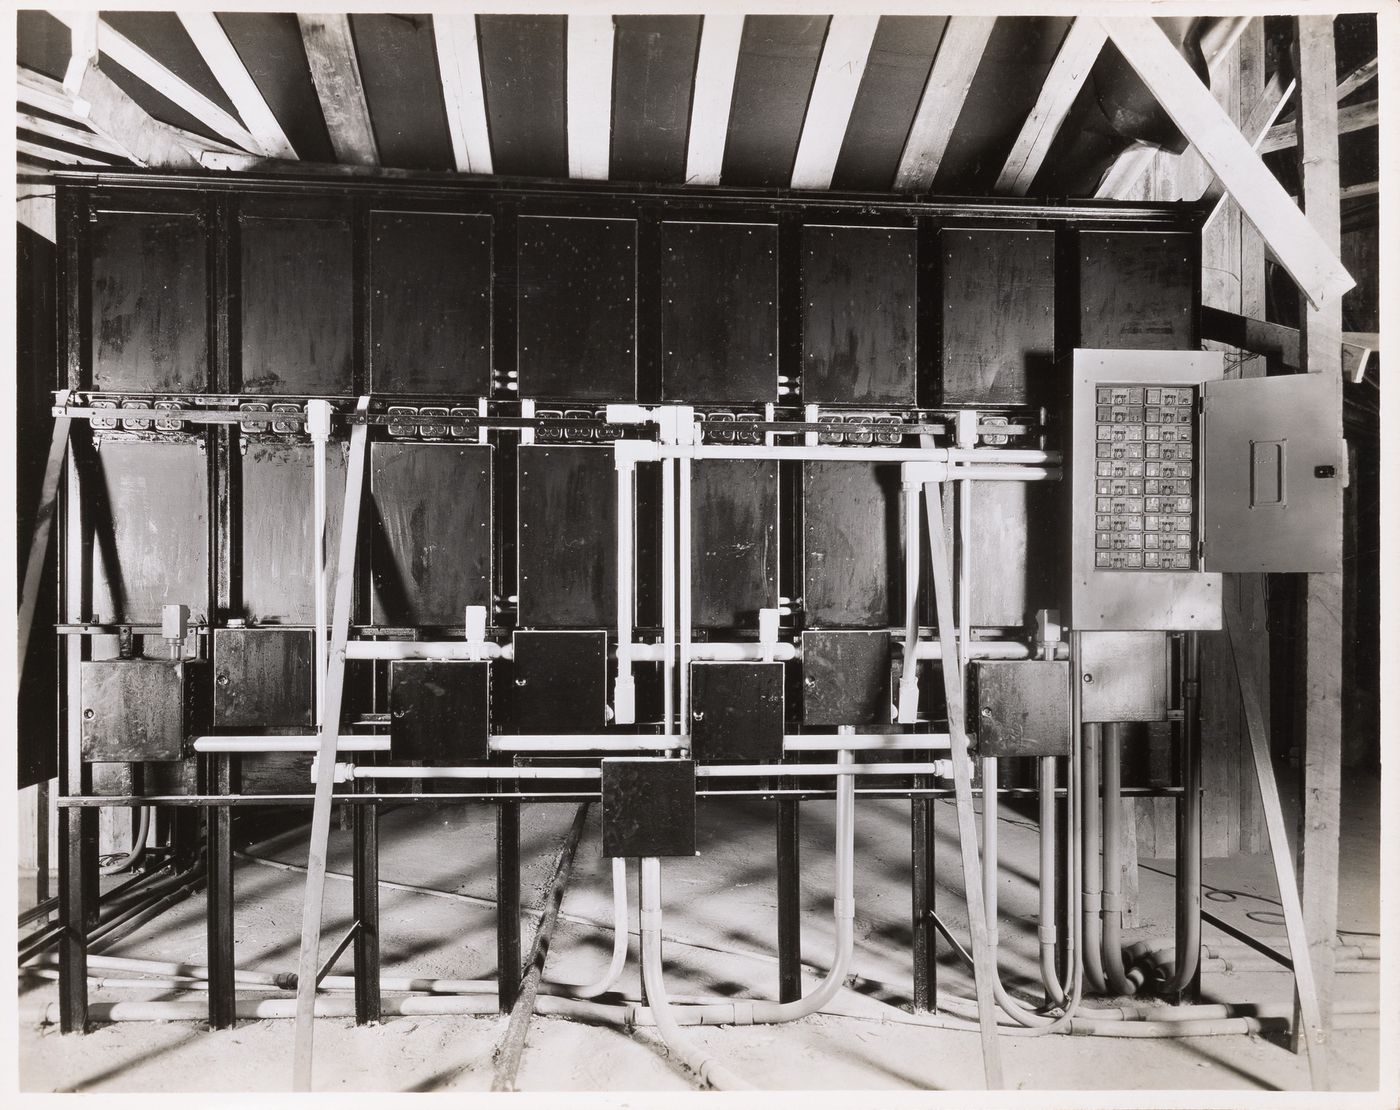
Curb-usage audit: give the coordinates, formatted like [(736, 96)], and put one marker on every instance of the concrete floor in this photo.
[(720, 922)]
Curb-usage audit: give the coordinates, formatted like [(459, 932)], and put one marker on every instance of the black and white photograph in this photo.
[(626, 552)]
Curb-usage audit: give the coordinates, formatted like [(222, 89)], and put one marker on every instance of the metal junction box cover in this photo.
[(561, 681), (140, 710), (1022, 707), (440, 712), (845, 678), (263, 678), (736, 711), (648, 807), (1122, 676)]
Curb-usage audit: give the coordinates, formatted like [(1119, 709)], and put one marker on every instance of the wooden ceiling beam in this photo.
[(1062, 84), (959, 54), (844, 57), (713, 97), (1354, 117), (208, 36), (588, 111), (142, 65), (1302, 252), (65, 133), (41, 91), (459, 64), (335, 71), (53, 154)]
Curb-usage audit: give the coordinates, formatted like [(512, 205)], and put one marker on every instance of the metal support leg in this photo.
[(218, 846), (921, 834), (507, 903), (952, 670), (365, 894), (41, 844), (77, 863), (789, 902)]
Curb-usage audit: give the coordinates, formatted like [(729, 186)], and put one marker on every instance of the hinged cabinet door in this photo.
[(1274, 468)]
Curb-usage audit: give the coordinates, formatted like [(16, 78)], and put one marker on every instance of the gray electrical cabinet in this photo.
[(1177, 475)]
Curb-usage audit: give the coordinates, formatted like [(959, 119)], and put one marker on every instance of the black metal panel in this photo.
[(140, 710), (561, 681), (859, 315), (398, 67), (1018, 56), (270, 47), (567, 540), (998, 308), (148, 515), (297, 293), (522, 69), (275, 773), (149, 302), (264, 678), (278, 529), (1136, 290), (1007, 583), (901, 56), (430, 276), (648, 807), (1020, 707), (431, 529), (736, 711), (778, 58), (846, 678), (577, 309), (852, 556), (440, 711), (653, 74), (734, 541), (719, 321)]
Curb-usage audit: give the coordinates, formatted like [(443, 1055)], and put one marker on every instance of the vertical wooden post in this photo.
[(1315, 63), (365, 894), (507, 903), (218, 848), (921, 835)]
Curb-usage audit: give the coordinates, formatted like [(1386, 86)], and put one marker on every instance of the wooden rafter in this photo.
[(1356, 78), (459, 63), (1062, 84), (65, 133), (1354, 117), (1301, 251), (844, 57), (219, 54), (715, 67), (131, 57), (589, 80), (335, 71), (959, 54)]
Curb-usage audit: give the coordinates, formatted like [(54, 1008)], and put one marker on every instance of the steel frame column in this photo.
[(507, 903), (218, 847), (922, 887), (789, 901), (365, 895)]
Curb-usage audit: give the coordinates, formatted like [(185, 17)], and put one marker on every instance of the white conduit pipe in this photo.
[(907, 707), (684, 583), (668, 598), (624, 685), (803, 742), (1054, 990), (234, 744), (938, 768), (318, 424), (977, 459), (620, 940), (427, 649), (138, 847), (710, 1070), (713, 652)]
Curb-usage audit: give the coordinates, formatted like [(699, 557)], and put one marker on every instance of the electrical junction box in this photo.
[(648, 807), (736, 711), (1020, 707), (846, 678), (141, 710), (1122, 676), (264, 678), (439, 711), (561, 681), (1177, 475)]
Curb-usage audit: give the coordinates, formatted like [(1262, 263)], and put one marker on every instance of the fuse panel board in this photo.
[(1145, 506)]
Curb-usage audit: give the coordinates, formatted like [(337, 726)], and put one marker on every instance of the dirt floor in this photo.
[(720, 921)]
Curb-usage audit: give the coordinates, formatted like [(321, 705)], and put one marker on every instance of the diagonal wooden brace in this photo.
[(1284, 871), (39, 542), (308, 964), (952, 668)]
